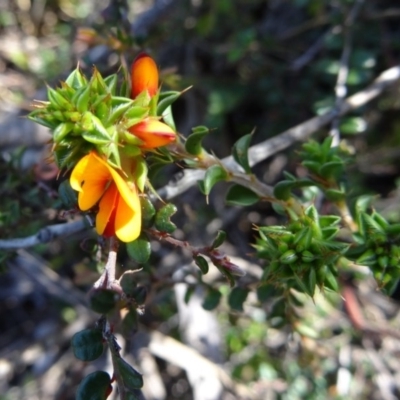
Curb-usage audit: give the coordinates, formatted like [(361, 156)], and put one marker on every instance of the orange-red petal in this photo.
[(153, 133), (144, 75), (105, 218)]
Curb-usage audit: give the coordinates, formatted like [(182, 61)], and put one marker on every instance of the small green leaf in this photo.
[(163, 218), (148, 211), (221, 236), (117, 111), (212, 299), (97, 83), (241, 196), (331, 169), (62, 131), (102, 300), (214, 174), (237, 297), (335, 195), (76, 79), (267, 292), (82, 102), (303, 285), (139, 295), (311, 280), (329, 220), (87, 345), (67, 195), (58, 101), (128, 282), (202, 263), (313, 166), (283, 190), (240, 152), (131, 379), (141, 172), (96, 386), (193, 144), (165, 101), (111, 83), (168, 118), (134, 115), (93, 129), (140, 249), (330, 279)]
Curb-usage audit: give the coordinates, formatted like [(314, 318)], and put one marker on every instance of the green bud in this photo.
[(62, 130), (58, 101), (307, 256), (289, 257), (58, 115), (282, 247), (73, 116)]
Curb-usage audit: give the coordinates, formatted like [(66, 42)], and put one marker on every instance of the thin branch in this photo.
[(301, 132), (174, 352), (341, 88), (45, 235)]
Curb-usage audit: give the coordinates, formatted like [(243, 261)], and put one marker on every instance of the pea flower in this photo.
[(151, 131), (119, 211)]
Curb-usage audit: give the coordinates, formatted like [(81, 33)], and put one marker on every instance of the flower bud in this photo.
[(144, 75), (153, 133)]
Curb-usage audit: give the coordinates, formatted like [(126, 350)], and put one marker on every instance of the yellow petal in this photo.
[(90, 177), (129, 194), (144, 75), (128, 221), (77, 173)]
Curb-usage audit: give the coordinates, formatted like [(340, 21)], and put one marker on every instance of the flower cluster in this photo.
[(103, 137)]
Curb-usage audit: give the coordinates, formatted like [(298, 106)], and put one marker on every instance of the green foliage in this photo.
[(103, 301), (214, 174), (140, 249), (303, 254), (87, 344), (193, 144), (85, 113), (240, 152), (241, 196), (96, 386), (163, 218)]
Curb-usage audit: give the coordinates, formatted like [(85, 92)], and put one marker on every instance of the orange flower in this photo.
[(144, 75), (153, 133), (119, 205)]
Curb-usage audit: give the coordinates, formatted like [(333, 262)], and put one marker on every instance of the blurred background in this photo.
[(262, 65)]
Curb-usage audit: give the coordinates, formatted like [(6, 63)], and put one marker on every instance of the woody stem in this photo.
[(107, 278)]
